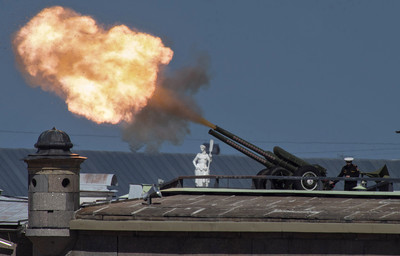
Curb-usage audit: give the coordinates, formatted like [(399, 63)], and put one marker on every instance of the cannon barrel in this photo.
[(283, 154), (272, 159), (245, 151)]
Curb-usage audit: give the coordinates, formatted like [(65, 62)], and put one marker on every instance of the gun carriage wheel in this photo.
[(275, 183), (308, 184)]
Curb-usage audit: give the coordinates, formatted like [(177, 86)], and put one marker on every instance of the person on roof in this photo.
[(350, 170)]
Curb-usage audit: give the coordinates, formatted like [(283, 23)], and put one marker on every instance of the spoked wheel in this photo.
[(307, 184), (261, 183), (280, 183)]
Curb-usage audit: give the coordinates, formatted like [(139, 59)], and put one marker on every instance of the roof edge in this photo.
[(281, 192), (230, 226)]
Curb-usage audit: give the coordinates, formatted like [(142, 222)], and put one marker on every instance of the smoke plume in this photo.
[(170, 110), (112, 75)]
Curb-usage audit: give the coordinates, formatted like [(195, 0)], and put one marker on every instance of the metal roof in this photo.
[(13, 210), (147, 168), (97, 181)]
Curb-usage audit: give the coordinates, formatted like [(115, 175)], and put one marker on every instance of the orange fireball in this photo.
[(105, 75)]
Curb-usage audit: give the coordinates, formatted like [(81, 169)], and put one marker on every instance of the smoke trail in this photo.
[(169, 112)]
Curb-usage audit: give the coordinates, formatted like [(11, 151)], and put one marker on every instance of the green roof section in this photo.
[(266, 192)]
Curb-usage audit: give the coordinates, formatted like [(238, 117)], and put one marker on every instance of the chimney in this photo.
[(53, 192)]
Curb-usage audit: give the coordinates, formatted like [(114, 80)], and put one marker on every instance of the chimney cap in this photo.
[(53, 139)]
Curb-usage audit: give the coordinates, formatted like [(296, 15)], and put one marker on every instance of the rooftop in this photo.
[(248, 211)]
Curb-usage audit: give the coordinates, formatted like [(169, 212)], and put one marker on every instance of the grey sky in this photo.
[(318, 78)]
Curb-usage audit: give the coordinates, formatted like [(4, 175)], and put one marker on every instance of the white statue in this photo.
[(202, 163)]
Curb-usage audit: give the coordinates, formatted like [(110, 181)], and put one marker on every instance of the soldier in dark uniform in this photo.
[(349, 170)]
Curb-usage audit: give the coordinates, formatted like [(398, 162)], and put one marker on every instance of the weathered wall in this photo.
[(24, 245), (150, 243)]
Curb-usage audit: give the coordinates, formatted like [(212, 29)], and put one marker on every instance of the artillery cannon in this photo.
[(278, 163)]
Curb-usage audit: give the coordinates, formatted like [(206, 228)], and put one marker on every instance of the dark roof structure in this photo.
[(147, 168)]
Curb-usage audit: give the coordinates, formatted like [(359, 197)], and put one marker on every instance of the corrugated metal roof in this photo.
[(13, 171), (99, 179), (13, 210), (147, 168)]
